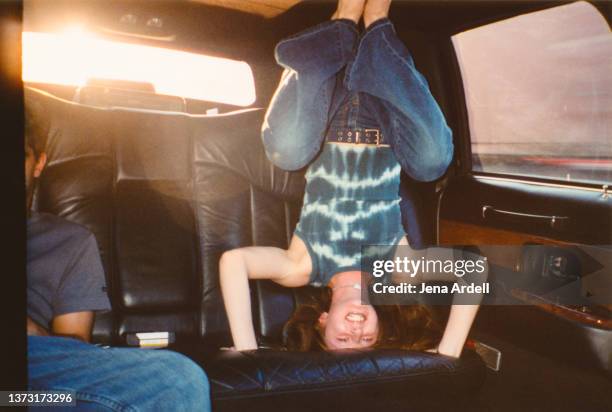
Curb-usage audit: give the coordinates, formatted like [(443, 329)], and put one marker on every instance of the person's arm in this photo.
[(35, 329), (80, 293), (237, 266), (75, 325), (457, 328), (297, 117), (409, 115), (237, 299), (464, 308)]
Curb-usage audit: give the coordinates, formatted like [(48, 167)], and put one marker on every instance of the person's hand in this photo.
[(35, 329), (448, 350), (437, 350)]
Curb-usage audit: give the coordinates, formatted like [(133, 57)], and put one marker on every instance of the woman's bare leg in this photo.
[(349, 9), (289, 268), (375, 10)]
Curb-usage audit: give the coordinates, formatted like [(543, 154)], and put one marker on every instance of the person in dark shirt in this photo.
[(65, 276), (66, 286)]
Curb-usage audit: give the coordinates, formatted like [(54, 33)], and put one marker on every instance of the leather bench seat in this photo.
[(356, 380), (166, 194)]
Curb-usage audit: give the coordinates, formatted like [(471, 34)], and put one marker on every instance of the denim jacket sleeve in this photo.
[(296, 119), (410, 116)]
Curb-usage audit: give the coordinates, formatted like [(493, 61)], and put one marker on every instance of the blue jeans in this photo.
[(335, 77), (116, 379)]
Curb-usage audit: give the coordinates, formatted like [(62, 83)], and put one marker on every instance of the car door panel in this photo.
[(533, 158)]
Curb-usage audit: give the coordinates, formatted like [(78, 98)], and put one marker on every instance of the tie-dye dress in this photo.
[(351, 201)]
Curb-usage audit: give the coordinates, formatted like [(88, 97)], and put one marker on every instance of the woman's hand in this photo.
[(459, 323), (436, 350), (453, 352)]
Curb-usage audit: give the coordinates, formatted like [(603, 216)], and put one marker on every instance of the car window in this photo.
[(76, 58), (539, 94)]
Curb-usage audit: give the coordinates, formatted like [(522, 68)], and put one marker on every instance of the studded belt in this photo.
[(357, 136)]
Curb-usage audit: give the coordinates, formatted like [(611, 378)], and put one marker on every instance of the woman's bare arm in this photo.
[(462, 314), (457, 328), (287, 267)]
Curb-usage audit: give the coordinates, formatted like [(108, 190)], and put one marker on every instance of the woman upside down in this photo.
[(354, 109)]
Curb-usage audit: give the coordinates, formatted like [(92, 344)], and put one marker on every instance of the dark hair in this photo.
[(410, 327), (36, 127)]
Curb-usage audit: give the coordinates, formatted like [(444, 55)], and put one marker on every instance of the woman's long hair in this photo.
[(411, 327)]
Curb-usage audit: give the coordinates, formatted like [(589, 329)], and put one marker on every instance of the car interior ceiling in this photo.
[(173, 165)]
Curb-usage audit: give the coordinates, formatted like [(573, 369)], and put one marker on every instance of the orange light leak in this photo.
[(73, 57)]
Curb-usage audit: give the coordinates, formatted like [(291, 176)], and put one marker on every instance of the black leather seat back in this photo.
[(155, 244), (78, 179), (240, 200)]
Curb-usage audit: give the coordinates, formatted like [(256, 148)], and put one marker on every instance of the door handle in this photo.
[(555, 222)]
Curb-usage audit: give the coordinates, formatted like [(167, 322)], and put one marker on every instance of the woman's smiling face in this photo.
[(349, 324)]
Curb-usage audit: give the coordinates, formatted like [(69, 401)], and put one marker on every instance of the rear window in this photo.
[(539, 94), (75, 58)]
